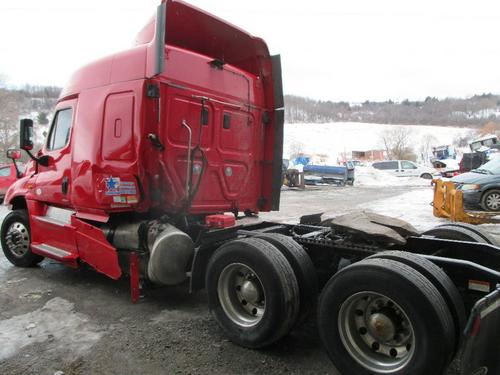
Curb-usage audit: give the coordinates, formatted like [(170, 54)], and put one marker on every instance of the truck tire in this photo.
[(379, 316), (252, 292), (15, 239), (490, 201), (453, 232), (488, 238), (438, 278), (303, 269)]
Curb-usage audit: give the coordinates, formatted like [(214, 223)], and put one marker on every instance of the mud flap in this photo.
[(95, 250), (481, 346)]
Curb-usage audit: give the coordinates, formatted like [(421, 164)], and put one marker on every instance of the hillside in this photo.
[(35, 102), (470, 112)]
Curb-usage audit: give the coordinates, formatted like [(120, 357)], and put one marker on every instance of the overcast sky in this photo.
[(349, 50)]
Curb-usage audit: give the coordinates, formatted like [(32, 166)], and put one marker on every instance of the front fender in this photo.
[(22, 187)]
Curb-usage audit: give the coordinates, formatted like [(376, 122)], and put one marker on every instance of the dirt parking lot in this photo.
[(54, 319)]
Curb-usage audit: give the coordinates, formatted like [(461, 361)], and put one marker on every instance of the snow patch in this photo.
[(56, 325), (368, 176), (415, 208)]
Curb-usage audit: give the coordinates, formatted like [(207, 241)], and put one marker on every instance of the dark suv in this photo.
[(481, 186)]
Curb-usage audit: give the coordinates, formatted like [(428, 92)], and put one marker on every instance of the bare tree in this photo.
[(295, 149), (427, 142), (11, 104), (397, 142)]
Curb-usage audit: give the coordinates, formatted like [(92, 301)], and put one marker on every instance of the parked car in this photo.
[(8, 175), (405, 168), (481, 186)]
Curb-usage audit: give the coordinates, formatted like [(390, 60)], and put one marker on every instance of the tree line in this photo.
[(474, 111)]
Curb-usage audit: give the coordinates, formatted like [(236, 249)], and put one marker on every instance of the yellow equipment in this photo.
[(448, 203)]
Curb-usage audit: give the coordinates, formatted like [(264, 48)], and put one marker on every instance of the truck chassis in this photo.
[(454, 265)]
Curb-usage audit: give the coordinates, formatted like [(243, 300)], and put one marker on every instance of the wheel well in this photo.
[(199, 267), (497, 188), (18, 203)]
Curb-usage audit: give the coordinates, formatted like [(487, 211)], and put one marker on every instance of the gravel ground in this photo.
[(53, 318)]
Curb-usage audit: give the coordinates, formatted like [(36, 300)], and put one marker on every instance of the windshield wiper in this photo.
[(482, 171)]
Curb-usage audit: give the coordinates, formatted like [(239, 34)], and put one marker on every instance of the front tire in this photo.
[(252, 292), (426, 176), (16, 239), (491, 200), (380, 316)]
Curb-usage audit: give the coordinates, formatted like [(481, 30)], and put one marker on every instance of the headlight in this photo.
[(470, 187)]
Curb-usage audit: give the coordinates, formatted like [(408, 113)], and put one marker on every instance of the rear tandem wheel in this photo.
[(303, 269), (463, 230), (438, 278), (252, 292), (379, 316)]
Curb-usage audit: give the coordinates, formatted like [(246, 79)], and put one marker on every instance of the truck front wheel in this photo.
[(252, 292), (15, 238), (380, 316)]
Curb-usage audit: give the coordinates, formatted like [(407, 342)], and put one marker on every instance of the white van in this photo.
[(405, 168)]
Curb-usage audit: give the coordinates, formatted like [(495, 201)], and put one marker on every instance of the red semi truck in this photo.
[(151, 148)]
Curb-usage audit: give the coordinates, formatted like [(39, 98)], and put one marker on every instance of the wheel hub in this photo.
[(17, 239), (493, 201), (381, 327), (376, 332), (250, 292), (241, 295)]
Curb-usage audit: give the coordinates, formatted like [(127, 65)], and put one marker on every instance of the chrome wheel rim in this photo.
[(493, 201), (376, 332), (17, 239), (241, 295)]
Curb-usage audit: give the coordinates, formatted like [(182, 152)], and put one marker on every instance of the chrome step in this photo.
[(50, 220), (53, 251)]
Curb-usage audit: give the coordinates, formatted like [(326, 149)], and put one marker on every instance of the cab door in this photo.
[(53, 182)]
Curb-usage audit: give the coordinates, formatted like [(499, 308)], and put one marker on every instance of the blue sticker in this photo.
[(113, 186), (116, 187)]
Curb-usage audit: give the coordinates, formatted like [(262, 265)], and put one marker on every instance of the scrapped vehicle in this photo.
[(330, 174), (355, 163), (472, 160), (405, 168), (444, 152), (154, 152), (481, 187), (447, 167), (484, 143)]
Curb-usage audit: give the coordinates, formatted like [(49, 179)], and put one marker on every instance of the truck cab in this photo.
[(178, 127)]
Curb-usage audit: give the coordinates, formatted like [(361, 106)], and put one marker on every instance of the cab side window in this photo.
[(59, 133)]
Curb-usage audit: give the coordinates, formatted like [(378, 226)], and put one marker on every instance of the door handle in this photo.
[(64, 185)]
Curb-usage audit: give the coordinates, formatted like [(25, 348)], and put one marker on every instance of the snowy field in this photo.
[(336, 138)]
